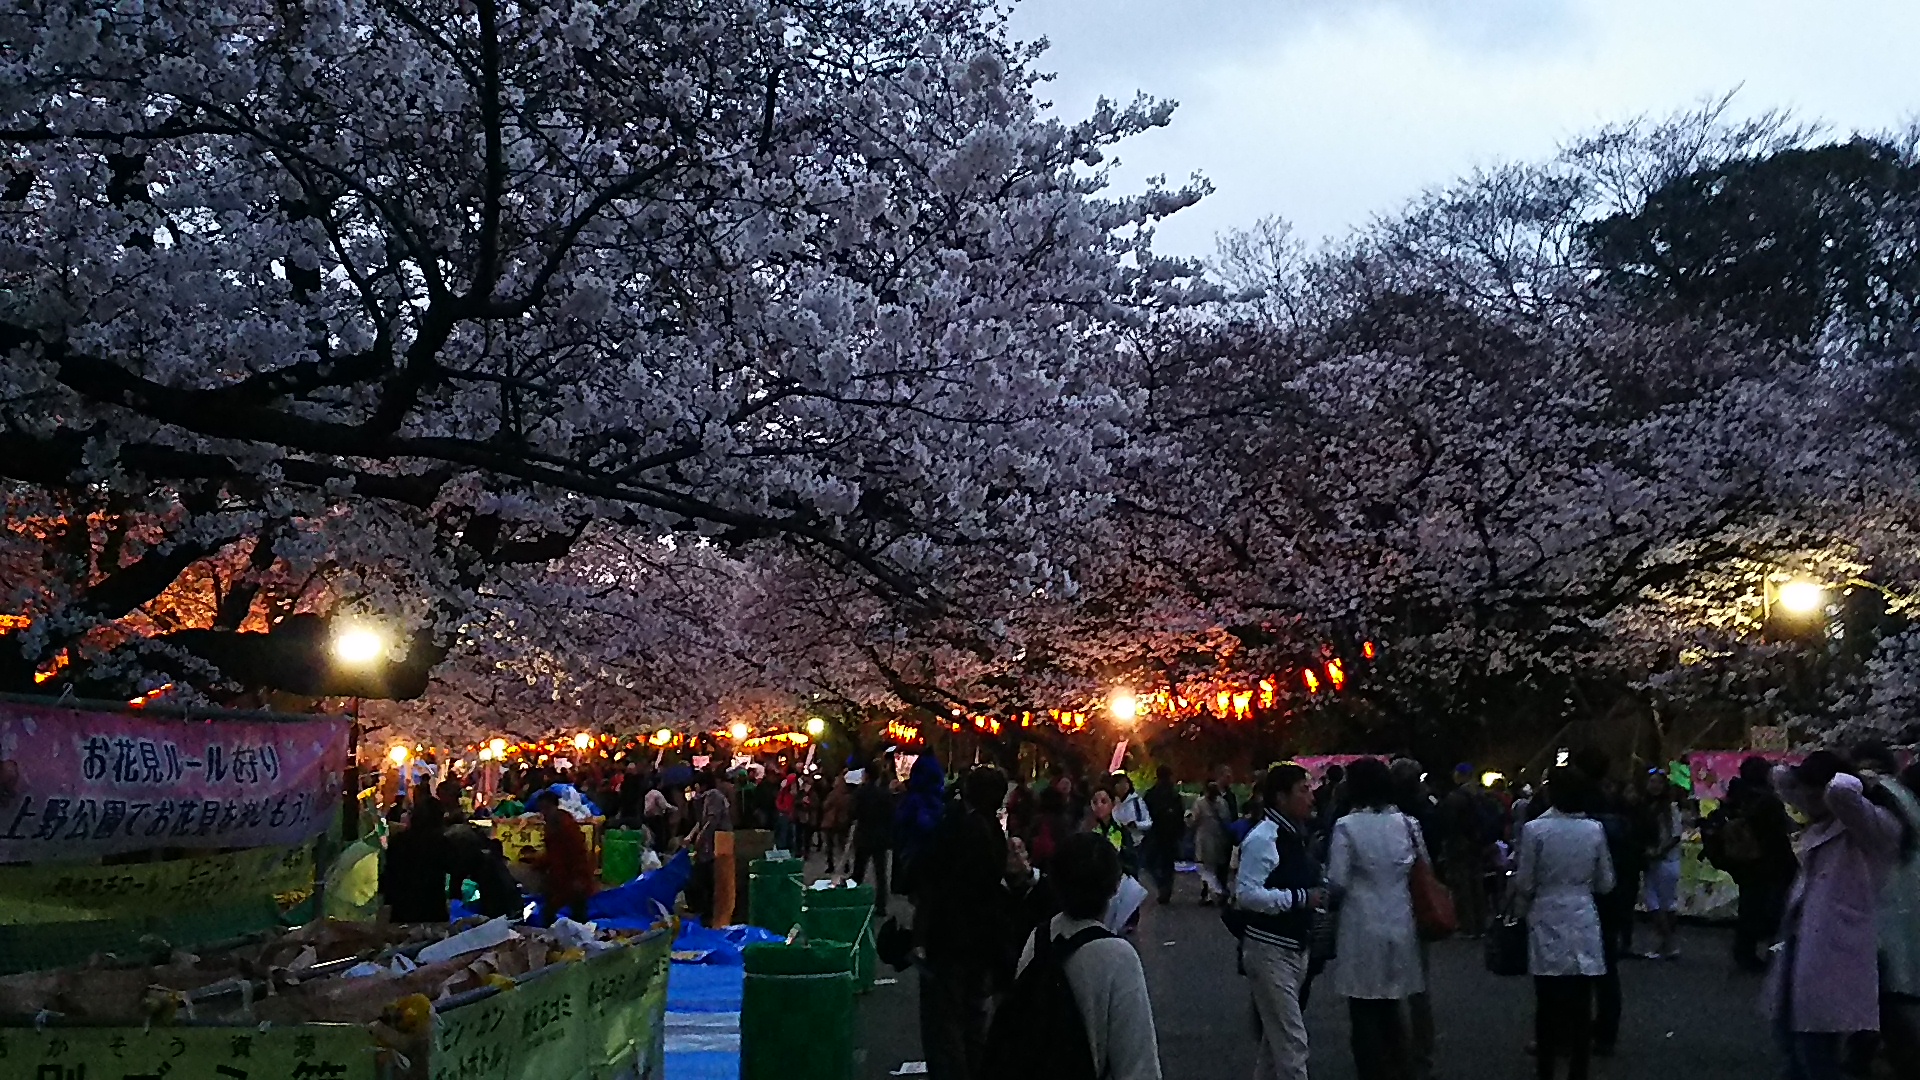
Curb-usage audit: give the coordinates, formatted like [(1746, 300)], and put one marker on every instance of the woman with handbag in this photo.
[(1564, 868), (1371, 861)]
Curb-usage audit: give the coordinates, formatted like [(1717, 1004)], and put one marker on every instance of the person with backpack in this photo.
[(965, 918), (1078, 1009), (1276, 893)]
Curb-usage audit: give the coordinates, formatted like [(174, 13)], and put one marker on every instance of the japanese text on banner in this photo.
[(309, 1052), (87, 784)]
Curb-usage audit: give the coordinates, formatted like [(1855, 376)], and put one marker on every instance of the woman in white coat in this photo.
[(1378, 965), (1563, 868)]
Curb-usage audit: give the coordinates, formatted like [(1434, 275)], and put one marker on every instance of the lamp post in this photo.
[(355, 647)]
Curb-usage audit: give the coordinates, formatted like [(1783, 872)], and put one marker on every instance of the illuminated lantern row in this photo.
[(150, 696)]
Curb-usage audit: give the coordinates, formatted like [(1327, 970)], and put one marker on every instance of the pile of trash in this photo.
[(388, 977)]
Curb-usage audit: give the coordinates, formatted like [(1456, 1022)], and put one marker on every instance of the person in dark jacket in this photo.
[(1625, 852), (414, 878), (1169, 813), (1750, 837), (873, 830), (1279, 888), (966, 923), (915, 820)]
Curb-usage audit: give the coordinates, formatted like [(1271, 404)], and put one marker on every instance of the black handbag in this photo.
[(1507, 946), (1323, 946)]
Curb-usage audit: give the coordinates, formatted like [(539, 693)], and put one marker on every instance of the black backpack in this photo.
[(1038, 1032)]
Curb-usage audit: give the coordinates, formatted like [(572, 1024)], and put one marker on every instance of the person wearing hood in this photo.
[(1825, 986), (915, 820)]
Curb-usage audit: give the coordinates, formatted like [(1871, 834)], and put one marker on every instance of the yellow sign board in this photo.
[(68, 893)]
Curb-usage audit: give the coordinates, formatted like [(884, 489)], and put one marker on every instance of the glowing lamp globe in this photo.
[(1802, 597), (358, 646)]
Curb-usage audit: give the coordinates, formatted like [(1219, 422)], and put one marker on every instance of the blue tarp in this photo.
[(721, 947), (703, 1021), (637, 905)]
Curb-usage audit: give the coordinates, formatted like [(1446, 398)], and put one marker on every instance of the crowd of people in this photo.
[(1318, 877), (1010, 883)]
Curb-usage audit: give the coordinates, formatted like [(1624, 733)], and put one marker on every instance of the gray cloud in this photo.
[(1329, 111)]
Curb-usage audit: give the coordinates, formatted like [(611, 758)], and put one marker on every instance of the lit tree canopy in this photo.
[(820, 274)]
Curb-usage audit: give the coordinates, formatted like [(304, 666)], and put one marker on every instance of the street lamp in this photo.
[(816, 727), (738, 730), (1802, 597), (1124, 706), (399, 754), (582, 741), (358, 646)]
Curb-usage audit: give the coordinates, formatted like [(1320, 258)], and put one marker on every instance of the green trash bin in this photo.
[(796, 1013), (774, 891), (845, 916), (620, 855)]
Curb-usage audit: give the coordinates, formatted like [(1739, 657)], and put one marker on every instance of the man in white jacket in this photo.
[(1277, 891)]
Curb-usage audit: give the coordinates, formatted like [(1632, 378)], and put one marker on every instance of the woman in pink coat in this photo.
[(1827, 983)]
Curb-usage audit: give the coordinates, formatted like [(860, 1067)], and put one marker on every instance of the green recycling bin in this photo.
[(774, 892), (620, 855), (796, 1013), (845, 916)]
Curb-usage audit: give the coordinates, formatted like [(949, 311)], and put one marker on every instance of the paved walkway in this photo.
[(1694, 1019)]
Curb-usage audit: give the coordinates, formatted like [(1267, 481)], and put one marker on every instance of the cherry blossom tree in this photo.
[(460, 281)]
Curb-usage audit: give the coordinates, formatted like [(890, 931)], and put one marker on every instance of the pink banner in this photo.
[(79, 785), (1713, 770), (1318, 764)]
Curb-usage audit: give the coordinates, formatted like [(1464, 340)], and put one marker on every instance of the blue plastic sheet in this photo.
[(637, 905), (703, 1018), (721, 948)]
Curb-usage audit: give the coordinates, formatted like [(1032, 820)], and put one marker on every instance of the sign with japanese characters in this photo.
[(573, 1022), (78, 785), (522, 836), (306, 1052), (69, 893)]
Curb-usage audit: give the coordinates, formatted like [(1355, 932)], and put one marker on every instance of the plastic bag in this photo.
[(1126, 902)]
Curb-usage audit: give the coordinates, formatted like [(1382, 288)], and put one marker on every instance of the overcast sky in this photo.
[(1328, 111)]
